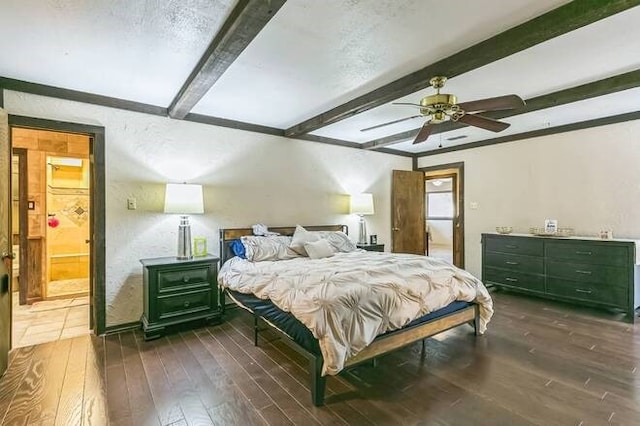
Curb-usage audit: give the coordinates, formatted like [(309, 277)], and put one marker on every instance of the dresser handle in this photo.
[(588, 253), (513, 280), (579, 271), (185, 279), (186, 304), (579, 290), (511, 263), (511, 246)]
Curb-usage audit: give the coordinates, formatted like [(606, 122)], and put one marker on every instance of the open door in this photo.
[(5, 242), (407, 211)]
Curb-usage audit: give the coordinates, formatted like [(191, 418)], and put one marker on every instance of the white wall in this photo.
[(248, 178), (586, 179)]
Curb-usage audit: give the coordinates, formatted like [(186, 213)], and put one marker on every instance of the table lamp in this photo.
[(184, 199), (362, 204)]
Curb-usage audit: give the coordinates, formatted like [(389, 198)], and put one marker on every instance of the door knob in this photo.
[(87, 241), (395, 229)]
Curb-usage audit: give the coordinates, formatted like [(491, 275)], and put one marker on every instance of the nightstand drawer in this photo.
[(596, 253), (586, 273), (592, 292), (515, 245), (184, 303), (513, 262), (183, 278), (514, 279), (371, 247)]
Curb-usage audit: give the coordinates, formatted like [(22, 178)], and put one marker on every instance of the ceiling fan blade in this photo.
[(389, 123), (424, 133), (493, 104), (484, 122), (407, 103)]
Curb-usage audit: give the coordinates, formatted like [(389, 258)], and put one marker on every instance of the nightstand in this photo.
[(177, 291), (371, 247)]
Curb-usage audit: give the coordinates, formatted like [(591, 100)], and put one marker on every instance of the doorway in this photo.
[(444, 207), (58, 210)]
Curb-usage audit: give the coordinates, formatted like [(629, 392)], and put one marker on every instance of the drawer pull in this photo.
[(580, 271), (587, 253), (579, 290), (185, 279), (186, 304), (511, 263), (511, 246), (513, 280)]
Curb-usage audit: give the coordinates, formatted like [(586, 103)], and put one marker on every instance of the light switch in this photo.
[(131, 203), (473, 205)]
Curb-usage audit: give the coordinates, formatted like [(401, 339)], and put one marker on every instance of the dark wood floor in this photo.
[(539, 363)]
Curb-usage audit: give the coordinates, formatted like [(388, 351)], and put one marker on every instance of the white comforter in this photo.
[(350, 298)]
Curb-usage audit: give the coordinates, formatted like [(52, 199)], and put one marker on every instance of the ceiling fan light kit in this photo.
[(441, 107)]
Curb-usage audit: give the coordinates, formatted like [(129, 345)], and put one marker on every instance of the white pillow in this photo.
[(300, 237), (338, 240), (319, 249), (258, 248)]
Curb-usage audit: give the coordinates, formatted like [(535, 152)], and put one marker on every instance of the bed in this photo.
[(289, 296)]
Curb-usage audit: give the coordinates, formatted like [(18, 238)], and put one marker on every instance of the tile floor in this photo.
[(49, 320), (75, 287)]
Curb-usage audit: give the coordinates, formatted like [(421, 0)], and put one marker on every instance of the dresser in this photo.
[(178, 291), (600, 273), (371, 247)]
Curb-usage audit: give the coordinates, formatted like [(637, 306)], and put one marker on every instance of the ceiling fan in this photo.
[(442, 107)]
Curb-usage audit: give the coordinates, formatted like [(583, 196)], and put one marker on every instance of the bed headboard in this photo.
[(229, 234)]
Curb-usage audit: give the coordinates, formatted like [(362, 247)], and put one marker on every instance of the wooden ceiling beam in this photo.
[(244, 23), (561, 20), (594, 89)]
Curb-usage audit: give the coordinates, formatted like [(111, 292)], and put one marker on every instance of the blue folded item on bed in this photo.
[(238, 249), (290, 325)]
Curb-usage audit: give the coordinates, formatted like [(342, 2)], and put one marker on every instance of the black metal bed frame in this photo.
[(380, 346)]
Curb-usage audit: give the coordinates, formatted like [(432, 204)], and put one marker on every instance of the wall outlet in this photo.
[(131, 204), (473, 205)]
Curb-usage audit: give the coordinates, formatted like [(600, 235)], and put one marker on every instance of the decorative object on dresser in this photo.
[(177, 291), (184, 199), (371, 247), (586, 271), (362, 204)]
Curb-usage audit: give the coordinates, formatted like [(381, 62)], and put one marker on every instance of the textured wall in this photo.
[(247, 177), (587, 179)]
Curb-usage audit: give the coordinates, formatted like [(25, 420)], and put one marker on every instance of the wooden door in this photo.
[(5, 242), (407, 211)]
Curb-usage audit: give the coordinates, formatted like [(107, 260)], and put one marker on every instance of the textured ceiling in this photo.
[(316, 55)]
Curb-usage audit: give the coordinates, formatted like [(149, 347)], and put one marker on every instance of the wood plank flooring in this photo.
[(540, 362)]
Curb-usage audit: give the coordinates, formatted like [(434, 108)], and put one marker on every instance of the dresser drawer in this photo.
[(175, 279), (184, 303), (589, 273), (514, 245), (592, 292), (514, 262), (595, 253), (514, 279)]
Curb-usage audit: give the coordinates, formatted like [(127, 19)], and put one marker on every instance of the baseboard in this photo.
[(115, 329)]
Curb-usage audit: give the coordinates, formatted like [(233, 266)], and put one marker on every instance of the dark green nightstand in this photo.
[(371, 247), (177, 291)]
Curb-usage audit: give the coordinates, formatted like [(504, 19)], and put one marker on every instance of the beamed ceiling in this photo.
[(324, 70)]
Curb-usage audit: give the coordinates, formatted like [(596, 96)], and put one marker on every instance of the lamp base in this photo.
[(362, 237), (184, 239)]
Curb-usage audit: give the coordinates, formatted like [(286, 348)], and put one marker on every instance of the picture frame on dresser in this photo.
[(580, 270)]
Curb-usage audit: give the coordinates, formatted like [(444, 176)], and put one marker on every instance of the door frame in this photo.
[(97, 291), (23, 181), (458, 222)]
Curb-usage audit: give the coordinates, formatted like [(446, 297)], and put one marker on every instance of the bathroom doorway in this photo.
[(51, 217)]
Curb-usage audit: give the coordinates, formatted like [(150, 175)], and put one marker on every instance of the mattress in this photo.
[(300, 334)]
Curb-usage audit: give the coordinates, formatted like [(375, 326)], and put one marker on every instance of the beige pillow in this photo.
[(300, 237), (319, 249)]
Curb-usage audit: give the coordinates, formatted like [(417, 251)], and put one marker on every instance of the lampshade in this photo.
[(183, 198), (362, 204)]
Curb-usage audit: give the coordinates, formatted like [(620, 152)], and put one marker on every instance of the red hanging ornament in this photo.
[(53, 222)]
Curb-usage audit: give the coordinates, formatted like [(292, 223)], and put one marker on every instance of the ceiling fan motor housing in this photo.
[(440, 105)]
